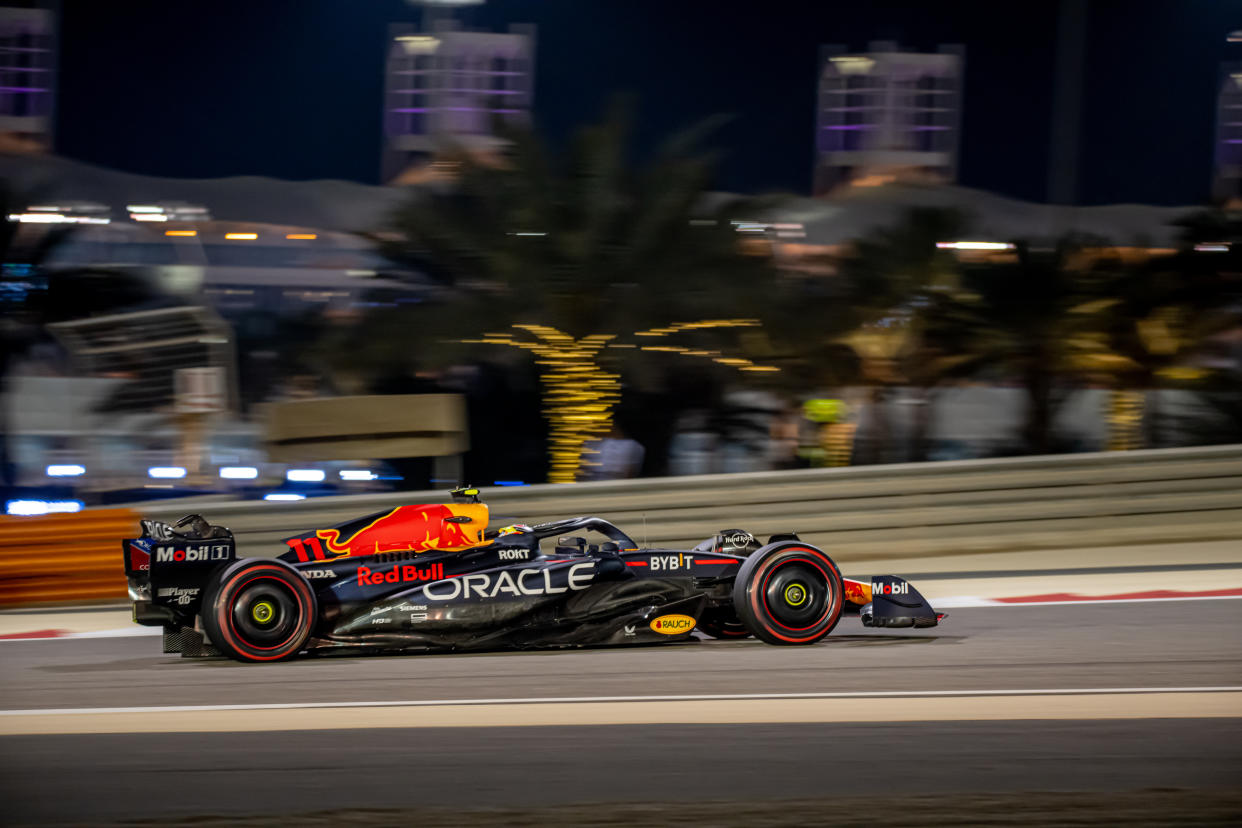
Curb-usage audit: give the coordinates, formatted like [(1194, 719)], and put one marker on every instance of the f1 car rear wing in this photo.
[(169, 564), (190, 540)]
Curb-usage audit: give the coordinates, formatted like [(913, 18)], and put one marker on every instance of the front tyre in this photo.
[(259, 610), (788, 593)]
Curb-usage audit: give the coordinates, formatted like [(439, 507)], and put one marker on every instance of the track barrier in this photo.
[(71, 557), (856, 513)]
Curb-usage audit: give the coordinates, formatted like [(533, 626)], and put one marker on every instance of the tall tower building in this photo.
[(886, 114), (27, 78), (1227, 160), (448, 88)]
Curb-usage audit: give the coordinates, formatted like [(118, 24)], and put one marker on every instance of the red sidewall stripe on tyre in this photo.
[(226, 613), (760, 606)]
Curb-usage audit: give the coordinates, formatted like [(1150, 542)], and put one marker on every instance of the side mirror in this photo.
[(459, 519)]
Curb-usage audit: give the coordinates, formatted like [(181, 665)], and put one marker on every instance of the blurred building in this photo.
[(146, 350), (27, 78), (240, 245), (885, 115), (240, 268), (1227, 161), (447, 89)]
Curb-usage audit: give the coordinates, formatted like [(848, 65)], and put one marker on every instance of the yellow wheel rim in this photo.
[(262, 612), (795, 595)]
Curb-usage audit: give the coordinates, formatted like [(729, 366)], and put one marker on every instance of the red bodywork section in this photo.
[(412, 529), (139, 559), (856, 592)]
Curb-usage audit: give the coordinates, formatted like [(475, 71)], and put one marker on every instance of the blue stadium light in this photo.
[(276, 496), (357, 474), (65, 470), (305, 475), (239, 472), (508, 483), (166, 472), (41, 507)]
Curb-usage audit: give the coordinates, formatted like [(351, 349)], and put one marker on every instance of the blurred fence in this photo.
[(856, 513), (74, 557)]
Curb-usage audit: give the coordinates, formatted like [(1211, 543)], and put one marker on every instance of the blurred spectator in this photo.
[(616, 457), (784, 436)]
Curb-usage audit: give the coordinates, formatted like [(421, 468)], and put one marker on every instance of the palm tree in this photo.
[(1035, 316), (1169, 309), (869, 319), (580, 261)]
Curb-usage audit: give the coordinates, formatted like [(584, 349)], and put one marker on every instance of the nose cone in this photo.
[(895, 603)]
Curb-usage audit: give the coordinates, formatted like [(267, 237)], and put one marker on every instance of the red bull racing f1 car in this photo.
[(434, 577)]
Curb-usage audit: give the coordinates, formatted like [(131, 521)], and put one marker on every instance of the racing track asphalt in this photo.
[(1119, 645)]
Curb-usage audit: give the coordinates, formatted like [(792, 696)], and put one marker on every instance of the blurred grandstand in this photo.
[(246, 275)]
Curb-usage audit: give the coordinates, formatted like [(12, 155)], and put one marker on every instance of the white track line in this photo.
[(973, 602), (864, 694), (121, 632)]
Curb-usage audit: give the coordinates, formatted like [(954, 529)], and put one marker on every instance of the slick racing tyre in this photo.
[(788, 593), (721, 623), (259, 610)]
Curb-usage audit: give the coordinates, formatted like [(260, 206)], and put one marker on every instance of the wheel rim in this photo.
[(265, 613), (796, 594)]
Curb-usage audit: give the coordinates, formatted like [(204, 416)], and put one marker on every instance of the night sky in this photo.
[(293, 88)]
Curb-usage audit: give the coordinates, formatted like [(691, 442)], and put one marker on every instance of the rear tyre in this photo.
[(259, 610), (788, 593)]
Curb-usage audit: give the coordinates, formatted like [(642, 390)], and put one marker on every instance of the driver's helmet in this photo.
[(736, 542), (515, 529)]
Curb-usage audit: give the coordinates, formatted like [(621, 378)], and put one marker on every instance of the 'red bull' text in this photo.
[(400, 574)]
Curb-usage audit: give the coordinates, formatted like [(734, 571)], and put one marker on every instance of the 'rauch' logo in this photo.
[(673, 624)]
